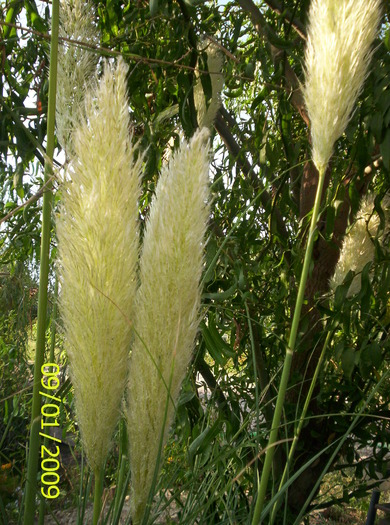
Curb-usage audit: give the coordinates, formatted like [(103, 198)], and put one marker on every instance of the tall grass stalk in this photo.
[(97, 494), (302, 420), (289, 355), (291, 480), (121, 483), (256, 385), (33, 453), (338, 52), (85, 490), (53, 325)]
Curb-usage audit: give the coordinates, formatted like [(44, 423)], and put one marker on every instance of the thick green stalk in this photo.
[(302, 420), (123, 452), (42, 505), (97, 496), (33, 453), (121, 488), (289, 355)]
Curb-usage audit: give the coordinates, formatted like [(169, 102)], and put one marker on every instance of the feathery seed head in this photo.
[(98, 253), (167, 307), (338, 52), (207, 116), (76, 66), (358, 248)]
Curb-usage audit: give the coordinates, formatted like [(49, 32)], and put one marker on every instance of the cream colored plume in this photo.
[(358, 247), (167, 307), (76, 66), (206, 116), (98, 252), (338, 52)]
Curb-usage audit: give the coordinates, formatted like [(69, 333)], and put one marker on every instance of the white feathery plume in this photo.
[(167, 307), (76, 66), (206, 116), (358, 247), (97, 232), (338, 52)]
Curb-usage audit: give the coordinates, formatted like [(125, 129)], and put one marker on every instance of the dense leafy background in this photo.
[(263, 189)]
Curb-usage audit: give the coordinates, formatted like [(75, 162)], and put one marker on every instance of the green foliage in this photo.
[(261, 186), (18, 313)]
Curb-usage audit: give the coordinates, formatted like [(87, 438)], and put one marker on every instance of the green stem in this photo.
[(42, 505), (97, 496), (33, 455), (255, 367), (289, 355), (302, 420), (120, 486)]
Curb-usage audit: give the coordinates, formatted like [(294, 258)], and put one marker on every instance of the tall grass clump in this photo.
[(33, 451), (97, 232), (167, 310), (338, 52), (358, 249)]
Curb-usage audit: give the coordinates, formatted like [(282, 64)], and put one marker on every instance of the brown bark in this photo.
[(325, 257), (224, 131)]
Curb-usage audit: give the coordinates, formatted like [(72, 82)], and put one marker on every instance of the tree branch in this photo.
[(29, 201), (247, 169), (299, 27), (259, 22), (263, 376), (266, 32)]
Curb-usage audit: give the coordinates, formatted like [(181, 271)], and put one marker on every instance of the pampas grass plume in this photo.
[(167, 308), (98, 252), (358, 247), (206, 116), (338, 52), (76, 66)]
